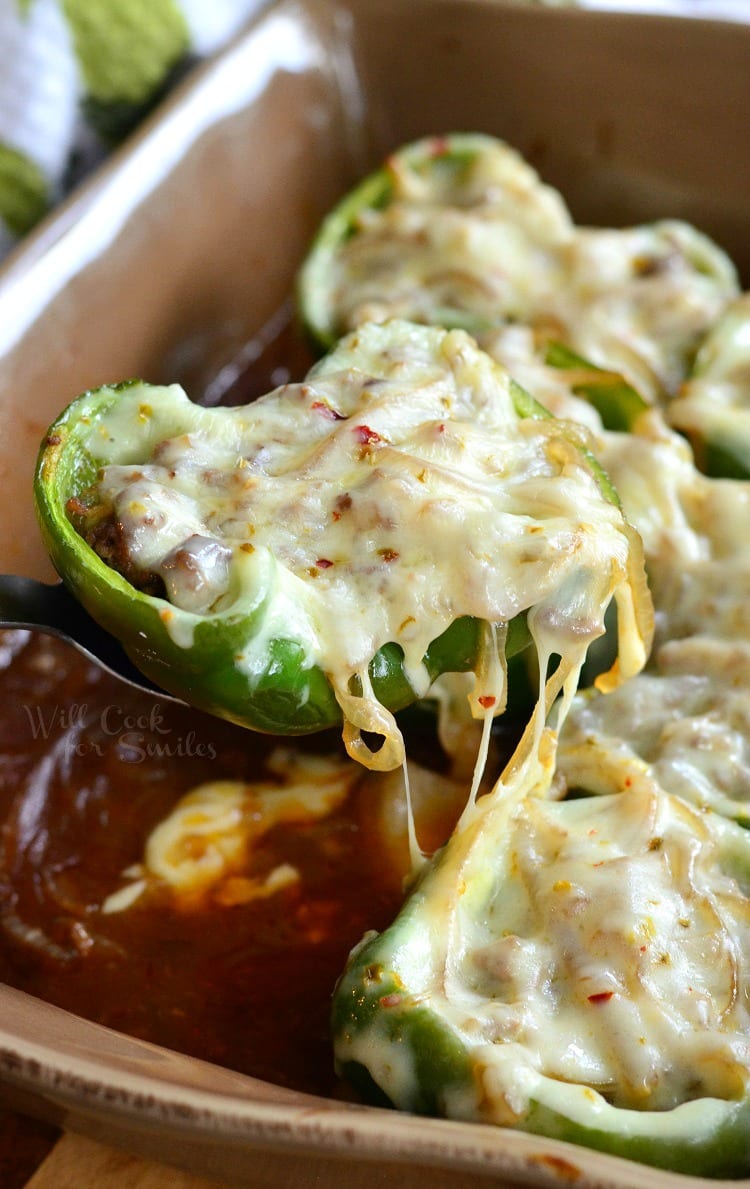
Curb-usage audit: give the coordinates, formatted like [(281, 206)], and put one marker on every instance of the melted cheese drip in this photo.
[(392, 492), (204, 849)]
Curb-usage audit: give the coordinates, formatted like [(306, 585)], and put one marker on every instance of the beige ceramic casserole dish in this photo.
[(174, 256)]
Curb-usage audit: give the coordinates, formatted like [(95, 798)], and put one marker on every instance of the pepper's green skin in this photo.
[(288, 695), (717, 395), (371, 194), (450, 153), (617, 402), (390, 1031)]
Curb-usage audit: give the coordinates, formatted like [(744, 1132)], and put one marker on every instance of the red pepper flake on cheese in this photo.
[(326, 410), (367, 436), (600, 997)]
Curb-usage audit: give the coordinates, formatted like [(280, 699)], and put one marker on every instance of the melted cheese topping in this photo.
[(588, 954), (488, 242), (684, 727), (205, 846), (640, 300), (584, 951), (695, 530), (394, 491), (615, 957), (713, 407), (483, 240)]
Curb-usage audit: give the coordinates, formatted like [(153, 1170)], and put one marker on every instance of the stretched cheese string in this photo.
[(363, 712), (487, 700), (490, 694), (417, 857)]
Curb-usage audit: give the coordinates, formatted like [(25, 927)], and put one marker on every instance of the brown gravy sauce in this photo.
[(87, 769)]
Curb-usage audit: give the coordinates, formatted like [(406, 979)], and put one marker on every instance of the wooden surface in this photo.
[(75, 1162), (78, 1163)]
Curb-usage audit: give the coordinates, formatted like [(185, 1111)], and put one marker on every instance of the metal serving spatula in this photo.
[(44, 607)]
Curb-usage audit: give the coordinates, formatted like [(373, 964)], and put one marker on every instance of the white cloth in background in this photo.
[(46, 140)]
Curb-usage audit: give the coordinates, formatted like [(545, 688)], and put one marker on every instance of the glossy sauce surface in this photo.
[(87, 769)]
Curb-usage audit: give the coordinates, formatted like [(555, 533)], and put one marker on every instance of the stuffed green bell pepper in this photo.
[(459, 230), (453, 230), (713, 407), (328, 550), (576, 969)]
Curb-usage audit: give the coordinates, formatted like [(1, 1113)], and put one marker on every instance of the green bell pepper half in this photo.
[(397, 1042), (447, 158), (287, 695), (287, 698)]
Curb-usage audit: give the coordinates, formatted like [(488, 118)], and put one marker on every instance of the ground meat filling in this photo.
[(189, 575), (105, 534)]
